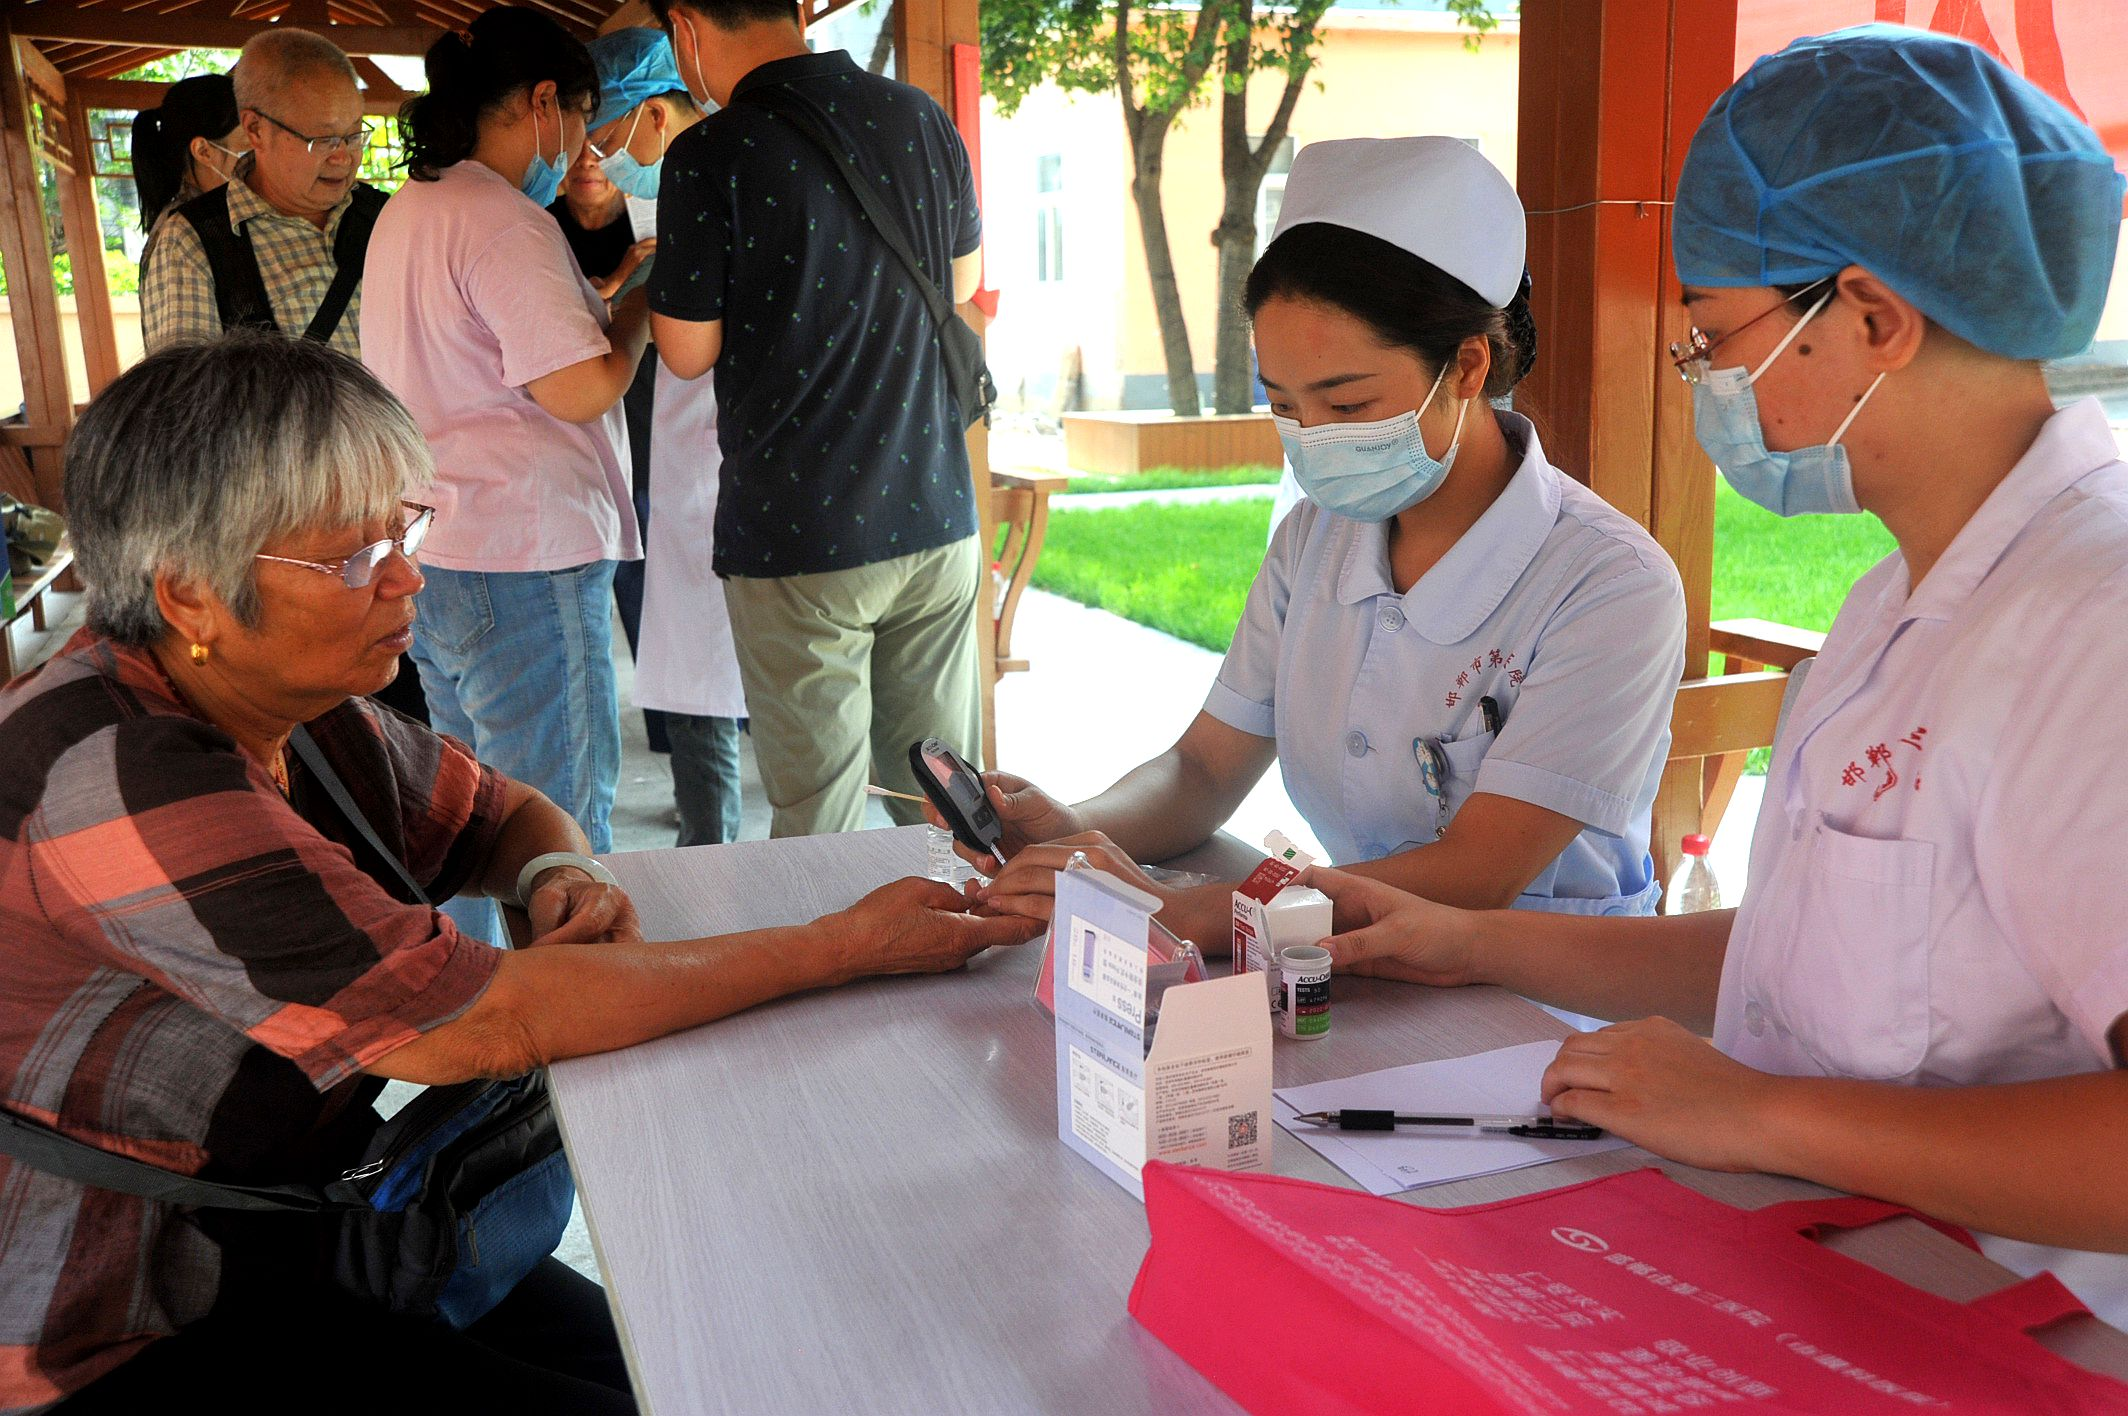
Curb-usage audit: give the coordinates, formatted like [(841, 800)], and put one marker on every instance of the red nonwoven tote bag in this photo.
[(1624, 1295)]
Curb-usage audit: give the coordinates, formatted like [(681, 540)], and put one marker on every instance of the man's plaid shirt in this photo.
[(194, 971), (295, 261)]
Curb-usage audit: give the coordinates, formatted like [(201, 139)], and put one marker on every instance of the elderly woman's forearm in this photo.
[(570, 1000), (531, 826)]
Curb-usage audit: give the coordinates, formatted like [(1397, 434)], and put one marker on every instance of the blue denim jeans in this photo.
[(519, 666), (705, 777)]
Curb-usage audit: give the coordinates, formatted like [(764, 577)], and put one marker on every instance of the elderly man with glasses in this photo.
[(281, 246)]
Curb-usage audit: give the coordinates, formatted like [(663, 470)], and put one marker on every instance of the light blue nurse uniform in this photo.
[(1555, 605)]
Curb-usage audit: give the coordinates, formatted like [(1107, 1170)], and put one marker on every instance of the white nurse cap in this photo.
[(1434, 197)]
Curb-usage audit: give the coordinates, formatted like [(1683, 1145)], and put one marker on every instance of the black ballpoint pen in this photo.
[(1530, 1127)]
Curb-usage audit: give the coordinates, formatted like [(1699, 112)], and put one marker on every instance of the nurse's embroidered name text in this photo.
[(1879, 756)]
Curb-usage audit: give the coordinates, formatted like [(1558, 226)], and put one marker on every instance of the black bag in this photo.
[(453, 1202), (240, 290), (967, 372)]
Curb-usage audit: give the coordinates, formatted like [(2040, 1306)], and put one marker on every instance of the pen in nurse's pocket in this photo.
[(1491, 709), (1542, 1128)]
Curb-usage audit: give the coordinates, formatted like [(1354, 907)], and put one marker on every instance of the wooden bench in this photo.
[(1020, 502), (29, 600), (1717, 722)]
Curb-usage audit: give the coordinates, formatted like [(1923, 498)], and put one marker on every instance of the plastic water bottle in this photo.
[(1692, 886), (942, 864)]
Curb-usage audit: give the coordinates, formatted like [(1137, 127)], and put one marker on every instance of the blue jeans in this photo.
[(519, 666), (705, 777)]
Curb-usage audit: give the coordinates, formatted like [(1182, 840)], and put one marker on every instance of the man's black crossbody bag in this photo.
[(456, 1198), (974, 391)]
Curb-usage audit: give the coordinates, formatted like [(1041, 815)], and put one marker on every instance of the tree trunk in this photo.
[(1148, 149), (1242, 168), (1241, 176), (883, 47), (1147, 128)]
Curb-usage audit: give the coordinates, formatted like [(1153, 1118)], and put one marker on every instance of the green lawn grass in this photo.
[(1794, 571), (1185, 569), (1167, 479), (1181, 569)]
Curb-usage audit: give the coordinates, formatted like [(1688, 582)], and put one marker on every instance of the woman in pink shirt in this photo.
[(476, 314)]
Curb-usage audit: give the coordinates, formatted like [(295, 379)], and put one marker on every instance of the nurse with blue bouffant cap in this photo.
[(1881, 234)]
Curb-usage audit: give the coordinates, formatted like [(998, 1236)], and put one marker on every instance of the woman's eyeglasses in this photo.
[(1692, 355), (357, 570)]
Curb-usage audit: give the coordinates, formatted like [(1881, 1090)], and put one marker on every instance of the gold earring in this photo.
[(199, 655)]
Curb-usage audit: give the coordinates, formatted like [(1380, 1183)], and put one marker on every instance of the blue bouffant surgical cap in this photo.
[(1918, 157), (633, 65)]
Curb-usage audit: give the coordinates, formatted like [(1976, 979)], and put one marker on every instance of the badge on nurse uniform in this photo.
[(1433, 771)]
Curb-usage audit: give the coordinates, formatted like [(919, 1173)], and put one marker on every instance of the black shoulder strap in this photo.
[(59, 1154), (239, 290), (350, 249), (798, 112), (307, 748), (55, 1153)]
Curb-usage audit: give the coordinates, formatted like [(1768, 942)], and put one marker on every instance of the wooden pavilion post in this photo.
[(1611, 93), (33, 297), (929, 37)]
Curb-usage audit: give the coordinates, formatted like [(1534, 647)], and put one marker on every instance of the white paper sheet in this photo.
[(1385, 1162)]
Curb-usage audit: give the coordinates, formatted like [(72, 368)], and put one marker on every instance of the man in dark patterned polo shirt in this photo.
[(846, 520)]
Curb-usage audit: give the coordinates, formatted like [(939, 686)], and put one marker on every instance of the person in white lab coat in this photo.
[(1924, 997), (687, 669)]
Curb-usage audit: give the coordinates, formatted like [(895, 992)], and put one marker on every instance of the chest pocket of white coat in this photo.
[(1848, 971), (1465, 756), (1462, 758)]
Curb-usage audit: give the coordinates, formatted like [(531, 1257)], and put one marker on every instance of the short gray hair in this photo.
[(197, 457), (276, 58)]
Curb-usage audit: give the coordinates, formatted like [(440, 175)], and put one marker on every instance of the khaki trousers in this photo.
[(844, 669)]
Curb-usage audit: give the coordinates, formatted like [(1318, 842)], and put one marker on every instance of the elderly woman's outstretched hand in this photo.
[(569, 907), (919, 926)]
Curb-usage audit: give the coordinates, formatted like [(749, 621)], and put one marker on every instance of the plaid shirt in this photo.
[(193, 972), (295, 262)]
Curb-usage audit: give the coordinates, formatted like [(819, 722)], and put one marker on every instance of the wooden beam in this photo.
[(137, 27), (1735, 713), (378, 86), (84, 238), (133, 95), (1764, 642), (32, 435)]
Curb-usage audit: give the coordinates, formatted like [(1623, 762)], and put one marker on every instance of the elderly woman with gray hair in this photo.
[(204, 966)]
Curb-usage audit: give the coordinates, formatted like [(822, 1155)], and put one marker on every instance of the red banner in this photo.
[(2077, 50)]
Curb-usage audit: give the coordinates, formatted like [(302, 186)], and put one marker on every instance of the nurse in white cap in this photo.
[(1461, 659)]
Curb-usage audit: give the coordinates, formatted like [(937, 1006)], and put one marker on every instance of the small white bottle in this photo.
[(1692, 884)]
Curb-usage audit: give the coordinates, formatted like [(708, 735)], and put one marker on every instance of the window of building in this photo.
[(1271, 196), (1049, 218)]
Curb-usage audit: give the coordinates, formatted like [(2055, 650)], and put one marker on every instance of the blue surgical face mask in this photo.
[(1725, 419), (637, 179), (1369, 471), (543, 179)]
